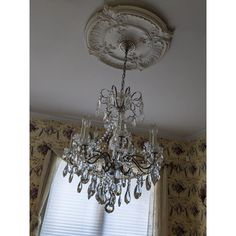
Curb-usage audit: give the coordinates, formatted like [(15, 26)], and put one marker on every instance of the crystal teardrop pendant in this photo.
[(107, 195), (155, 175), (148, 183), (141, 181), (91, 189), (113, 199), (118, 189), (127, 195), (79, 169), (97, 198), (71, 177), (79, 172), (101, 195), (137, 191), (94, 178), (123, 182), (65, 171), (119, 201), (79, 188), (85, 180), (85, 177)]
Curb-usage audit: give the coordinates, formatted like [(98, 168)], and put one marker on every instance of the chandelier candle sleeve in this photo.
[(109, 162)]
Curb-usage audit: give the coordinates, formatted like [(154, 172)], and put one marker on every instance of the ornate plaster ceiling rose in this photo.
[(112, 27)]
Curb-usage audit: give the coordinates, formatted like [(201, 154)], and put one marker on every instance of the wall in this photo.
[(186, 163)]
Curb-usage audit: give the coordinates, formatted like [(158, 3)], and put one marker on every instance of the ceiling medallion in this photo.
[(111, 26), (109, 162)]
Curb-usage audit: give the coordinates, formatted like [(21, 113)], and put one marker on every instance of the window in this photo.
[(69, 213)]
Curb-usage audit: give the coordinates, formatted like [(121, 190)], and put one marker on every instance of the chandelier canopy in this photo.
[(108, 163)]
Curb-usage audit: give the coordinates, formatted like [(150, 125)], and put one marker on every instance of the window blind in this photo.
[(69, 213)]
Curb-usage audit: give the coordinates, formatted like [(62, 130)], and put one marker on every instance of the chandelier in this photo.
[(108, 163)]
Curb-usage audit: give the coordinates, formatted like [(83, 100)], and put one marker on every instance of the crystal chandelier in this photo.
[(109, 163), (110, 168)]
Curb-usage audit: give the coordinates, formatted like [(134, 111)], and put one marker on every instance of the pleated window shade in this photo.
[(69, 213)]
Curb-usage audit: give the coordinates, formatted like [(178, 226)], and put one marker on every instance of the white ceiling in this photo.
[(66, 80)]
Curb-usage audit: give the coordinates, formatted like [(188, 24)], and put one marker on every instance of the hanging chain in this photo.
[(124, 68)]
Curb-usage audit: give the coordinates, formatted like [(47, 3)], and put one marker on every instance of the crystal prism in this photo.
[(79, 188), (97, 198), (101, 195), (91, 189), (113, 199), (71, 177), (65, 171), (107, 195), (155, 175), (85, 177), (148, 183), (118, 189), (137, 191), (127, 196), (119, 201), (123, 182), (141, 181)]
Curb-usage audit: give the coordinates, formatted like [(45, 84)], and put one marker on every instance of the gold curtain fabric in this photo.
[(182, 212)]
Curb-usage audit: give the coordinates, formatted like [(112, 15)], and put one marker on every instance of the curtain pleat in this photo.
[(158, 210), (50, 166)]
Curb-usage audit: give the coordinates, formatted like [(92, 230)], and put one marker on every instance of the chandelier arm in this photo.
[(125, 172), (116, 104), (143, 168), (92, 162), (136, 155), (127, 90), (100, 154), (113, 88), (138, 98), (140, 167)]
